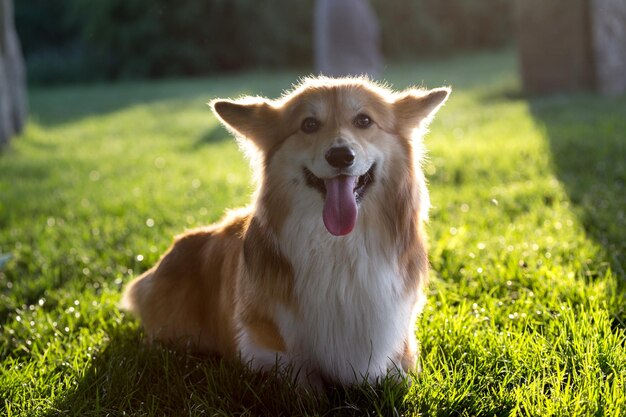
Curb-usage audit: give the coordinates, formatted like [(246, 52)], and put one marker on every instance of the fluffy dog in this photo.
[(325, 270)]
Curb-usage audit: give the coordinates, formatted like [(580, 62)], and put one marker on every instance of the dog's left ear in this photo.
[(416, 108), (253, 118)]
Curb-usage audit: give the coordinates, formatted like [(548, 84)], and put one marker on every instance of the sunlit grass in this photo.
[(526, 310)]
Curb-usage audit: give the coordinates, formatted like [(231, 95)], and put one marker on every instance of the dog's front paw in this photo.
[(309, 381)]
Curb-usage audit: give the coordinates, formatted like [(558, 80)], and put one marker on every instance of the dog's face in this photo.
[(332, 145)]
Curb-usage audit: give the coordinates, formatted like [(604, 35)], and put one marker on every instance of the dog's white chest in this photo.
[(353, 315)]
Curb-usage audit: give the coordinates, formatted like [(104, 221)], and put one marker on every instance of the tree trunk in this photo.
[(553, 45), (13, 101), (567, 45), (347, 38), (608, 19), (6, 126)]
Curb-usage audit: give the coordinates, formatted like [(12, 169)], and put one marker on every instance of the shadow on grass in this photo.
[(587, 139), (130, 376), (54, 106), (215, 134)]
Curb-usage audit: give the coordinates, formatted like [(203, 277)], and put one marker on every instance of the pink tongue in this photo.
[(340, 205)]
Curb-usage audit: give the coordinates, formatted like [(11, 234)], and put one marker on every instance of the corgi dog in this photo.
[(325, 270)]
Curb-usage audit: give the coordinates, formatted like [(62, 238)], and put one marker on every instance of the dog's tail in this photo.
[(131, 298)]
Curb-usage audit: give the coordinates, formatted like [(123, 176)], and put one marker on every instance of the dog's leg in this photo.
[(262, 357), (409, 360), (167, 311)]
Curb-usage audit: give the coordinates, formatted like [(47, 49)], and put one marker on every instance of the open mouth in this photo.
[(342, 195), (362, 184)]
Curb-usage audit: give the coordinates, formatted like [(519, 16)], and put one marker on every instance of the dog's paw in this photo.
[(307, 380)]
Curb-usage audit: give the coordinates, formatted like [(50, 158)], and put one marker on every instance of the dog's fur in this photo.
[(271, 284)]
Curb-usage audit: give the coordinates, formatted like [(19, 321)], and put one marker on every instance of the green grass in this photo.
[(526, 312)]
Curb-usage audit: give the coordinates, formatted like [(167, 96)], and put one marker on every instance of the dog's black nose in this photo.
[(340, 156)]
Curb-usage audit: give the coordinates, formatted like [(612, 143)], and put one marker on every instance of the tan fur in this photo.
[(188, 298), (217, 282)]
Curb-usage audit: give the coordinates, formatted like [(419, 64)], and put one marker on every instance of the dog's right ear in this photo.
[(253, 118), (415, 108)]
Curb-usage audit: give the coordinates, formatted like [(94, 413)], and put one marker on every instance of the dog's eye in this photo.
[(362, 121), (310, 125)]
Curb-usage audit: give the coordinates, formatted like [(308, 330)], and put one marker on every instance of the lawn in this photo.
[(526, 312)]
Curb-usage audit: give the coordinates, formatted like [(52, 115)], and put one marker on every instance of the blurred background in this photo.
[(115, 151), (84, 40)]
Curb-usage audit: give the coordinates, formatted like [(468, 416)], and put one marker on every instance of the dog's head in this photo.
[(338, 139)]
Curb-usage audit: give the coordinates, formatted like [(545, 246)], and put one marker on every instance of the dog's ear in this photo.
[(255, 119), (415, 108)]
